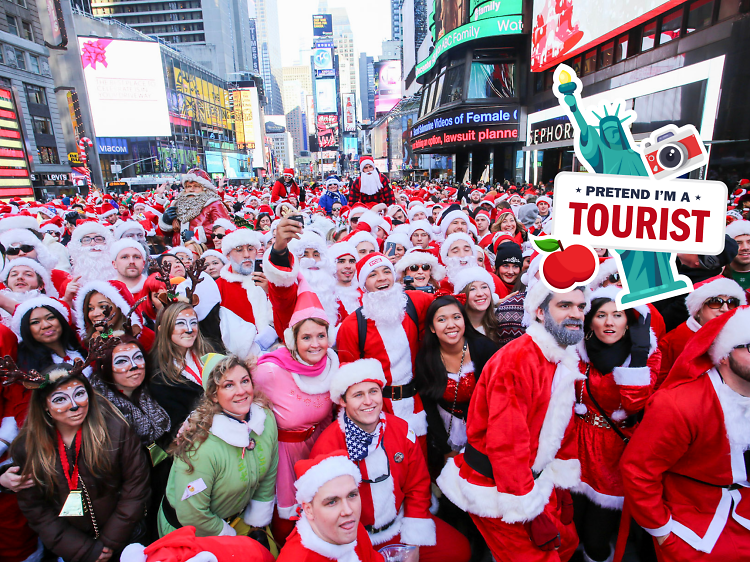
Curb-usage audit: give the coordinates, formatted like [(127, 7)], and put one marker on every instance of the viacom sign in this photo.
[(505, 25), (107, 145)]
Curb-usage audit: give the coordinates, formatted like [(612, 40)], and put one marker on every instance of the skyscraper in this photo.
[(396, 20), (366, 86), (269, 39)]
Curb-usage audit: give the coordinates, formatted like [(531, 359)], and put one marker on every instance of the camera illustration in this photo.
[(673, 151)]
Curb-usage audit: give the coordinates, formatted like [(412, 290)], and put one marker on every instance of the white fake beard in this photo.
[(369, 183), (21, 297), (90, 265), (385, 308), (349, 297), (454, 265), (322, 281), (241, 269)]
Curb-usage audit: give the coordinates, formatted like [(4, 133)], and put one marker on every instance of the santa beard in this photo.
[(369, 183), (91, 265), (322, 282), (385, 308), (453, 266), (348, 296)]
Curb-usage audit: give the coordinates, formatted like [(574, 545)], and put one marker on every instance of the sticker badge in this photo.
[(411, 436), (194, 487), (398, 457)]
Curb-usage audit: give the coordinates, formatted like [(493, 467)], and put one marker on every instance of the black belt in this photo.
[(400, 392), (479, 462), (371, 530)]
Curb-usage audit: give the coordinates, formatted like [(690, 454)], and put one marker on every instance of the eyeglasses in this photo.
[(745, 345), (218, 236), (715, 303), (15, 250), (86, 240), (423, 267), (384, 477)]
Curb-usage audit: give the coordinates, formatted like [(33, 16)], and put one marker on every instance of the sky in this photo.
[(370, 21)]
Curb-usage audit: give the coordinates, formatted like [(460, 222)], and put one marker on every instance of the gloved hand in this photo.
[(542, 532), (72, 217), (640, 339), (266, 338), (260, 536), (565, 505), (169, 215)]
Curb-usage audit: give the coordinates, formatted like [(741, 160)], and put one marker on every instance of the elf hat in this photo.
[(368, 263), (314, 473), (362, 370)]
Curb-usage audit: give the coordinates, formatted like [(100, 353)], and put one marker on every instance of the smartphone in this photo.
[(390, 249), (258, 266), (299, 218)]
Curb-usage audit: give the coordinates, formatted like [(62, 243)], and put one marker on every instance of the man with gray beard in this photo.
[(245, 313), (521, 456)]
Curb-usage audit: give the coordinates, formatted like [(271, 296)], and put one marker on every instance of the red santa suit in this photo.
[(520, 421), (672, 345), (281, 191), (303, 545), (685, 470)]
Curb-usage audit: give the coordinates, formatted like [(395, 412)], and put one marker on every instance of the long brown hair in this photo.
[(117, 321), (167, 354), (520, 228), (39, 437), (489, 320), (200, 421)]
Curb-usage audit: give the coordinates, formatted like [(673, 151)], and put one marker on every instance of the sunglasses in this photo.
[(423, 267), (384, 477), (614, 278), (218, 236), (745, 345), (715, 303), (15, 250)]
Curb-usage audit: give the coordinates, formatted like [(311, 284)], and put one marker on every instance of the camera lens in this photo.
[(670, 156)]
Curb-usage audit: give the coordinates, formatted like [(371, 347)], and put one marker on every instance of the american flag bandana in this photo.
[(358, 440)]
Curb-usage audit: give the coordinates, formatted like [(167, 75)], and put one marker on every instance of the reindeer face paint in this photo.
[(68, 404)]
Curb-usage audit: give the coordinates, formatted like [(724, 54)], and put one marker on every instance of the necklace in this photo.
[(460, 374)]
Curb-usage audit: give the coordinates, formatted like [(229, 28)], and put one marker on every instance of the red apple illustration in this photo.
[(567, 267)]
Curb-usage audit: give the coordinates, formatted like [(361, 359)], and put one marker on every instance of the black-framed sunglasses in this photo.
[(218, 236), (715, 303), (384, 477), (614, 278), (423, 267), (15, 250)]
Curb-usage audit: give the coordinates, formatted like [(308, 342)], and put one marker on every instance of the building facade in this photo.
[(269, 40), (366, 87)]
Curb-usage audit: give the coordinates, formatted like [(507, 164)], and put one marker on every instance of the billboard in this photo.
[(562, 29), (328, 131), (322, 59), (350, 114), (325, 96), (322, 25), (14, 165), (488, 125), (245, 117), (387, 85), (125, 86), (446, 16)]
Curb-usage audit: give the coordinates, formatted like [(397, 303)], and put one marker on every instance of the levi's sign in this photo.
[(637, 213)]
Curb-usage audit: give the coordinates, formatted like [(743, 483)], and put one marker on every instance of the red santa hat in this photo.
[(19, 220), (418, 256), (308, 239), (318, 471), (413, 210), (115, 291), (37, 302), (53, 225), (25, 237), (105, 210), (544, 199), (713, 287), (362, 370), (738, 228), (341, 249), (124, 226), (199, 176), (120, 245), (369, 221), (400, 237), (454, 237), (469, 275), (449, 215), (226, 224), (240, 237), (214, 254), (607, 267), (307, 306), (359, 236), (363, 160), (370, 262), (288, 172)]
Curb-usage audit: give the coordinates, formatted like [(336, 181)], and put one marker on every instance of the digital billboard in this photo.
[(322, 59), (328, 131), (245, 117), (350, 117), (325, 95), (14, 165), (468, 124), (562, 30), (125, 86), (387, 85), (446, 16), (322, 25)]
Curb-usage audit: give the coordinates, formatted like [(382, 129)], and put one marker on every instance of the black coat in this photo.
[(178, 400)]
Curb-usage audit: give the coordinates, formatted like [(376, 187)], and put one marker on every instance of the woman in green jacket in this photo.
[(225, 460)]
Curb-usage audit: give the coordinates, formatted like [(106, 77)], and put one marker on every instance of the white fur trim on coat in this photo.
[(602, 500), (723, 286), (418, 257), (313, 543), (277, 276), (353, 373), (258, 514), (734, 333), (326, 470), (418, 532), (227, 530), (237, 335), (255, 295), (632, 376)]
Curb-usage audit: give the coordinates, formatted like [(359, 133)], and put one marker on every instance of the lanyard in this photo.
[(71, 479), (197, 376)]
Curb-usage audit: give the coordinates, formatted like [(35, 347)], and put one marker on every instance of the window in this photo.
[(700, 14), (671, 24), (42, 125), (493, 80), (2, 54), (453, 88), (12, 25), (20, 59), (48, 155), (21, 3), (34, 63), (621, 53), (729, 8), (589, 62), (577, 65), (648, 37), (35, 94), (606, 54), (27, 33)]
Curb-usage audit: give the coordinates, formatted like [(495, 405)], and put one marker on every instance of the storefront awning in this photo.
[(548, 145)]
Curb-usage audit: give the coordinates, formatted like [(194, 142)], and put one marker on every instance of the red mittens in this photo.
[(565, 505), (542, 532)]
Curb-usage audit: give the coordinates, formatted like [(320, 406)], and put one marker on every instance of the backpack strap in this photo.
[(411, 311)]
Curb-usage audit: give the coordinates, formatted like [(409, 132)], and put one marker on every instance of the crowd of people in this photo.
[(362, 371)]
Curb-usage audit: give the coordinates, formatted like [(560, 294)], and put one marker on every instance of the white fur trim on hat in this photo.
[(192, 177), (539, 292), (363, 161), (468, 275), (416, 257), (215, 254), (355, 373), (723, 286), (124, 243), (445, 246), (738, 228), (450, 217), (41, 271), (307, 240), (23, 236), (416, 209), (226, 224), (545, 199), (109, 291), (21, 222), (124, 226), (325, 471), (611, 291), (401, 238), (368, 267), (90, 228), (421, 225), (239, 237), (734, 333), (606, 268), (362, 236), (342, 249), (179, 250), (37, 302)]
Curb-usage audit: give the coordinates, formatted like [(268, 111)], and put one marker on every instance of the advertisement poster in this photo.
[(325, 96), (328, 131), (244, 122), (350, 118), (322, 59), (387, 85), (322, 25), (447, 16), (125, 86)]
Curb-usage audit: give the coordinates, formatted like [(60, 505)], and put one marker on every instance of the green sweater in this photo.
[(229, 475)]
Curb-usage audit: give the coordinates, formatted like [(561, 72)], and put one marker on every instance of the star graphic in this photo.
[(698, 197), (578, 190)]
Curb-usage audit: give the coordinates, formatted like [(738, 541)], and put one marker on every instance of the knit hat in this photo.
[(417, 256), (41, 271), (363, 160), (738, 228), (713, 287), (508, 254), (214, 254), (468, 275), (527, 214), (37, 302), (199, 176), (25, 237), (307, 306), (239, 237), (362, 370), (451, 239), (313, 473), (123, 243), (370, 262), (210, 360), (115, 291)]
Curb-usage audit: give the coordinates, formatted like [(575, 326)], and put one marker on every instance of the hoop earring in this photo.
[(589, 335)]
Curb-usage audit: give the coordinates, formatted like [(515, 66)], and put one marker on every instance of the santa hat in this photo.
[(538, 294), (484, 213), (19, 220), (468, 275), (356, 211), (199, 176), (124, 226), (37, 302), (362, 370), (607, 267), (214, 254), (713, 287), (401, 238), (359, 236), (55, 224), (281, 205), (115, 291), (418, 256), (610, 292), (451, 239), (733, 334), (226, 224), (450, 214), (41, 271), (544, 199), (313, 473), (124, 243), (105, 210), (341, 249), (25, 237), (421, 225), (239, 237), (307, 306), (179, 250), (365, 160), (368, 263), (416, 209), (369, 221), (90, 228), (738, 228), (307, 240), (288, 172), (393, 209)]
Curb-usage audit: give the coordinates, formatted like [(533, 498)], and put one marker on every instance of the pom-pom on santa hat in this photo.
[(713, 287), (362, 370), (738, 228), (199, 176), (314, 473), (370, 262), (364, 160), (307, 306)]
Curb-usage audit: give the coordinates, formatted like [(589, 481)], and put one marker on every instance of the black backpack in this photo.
[(411, 311)]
